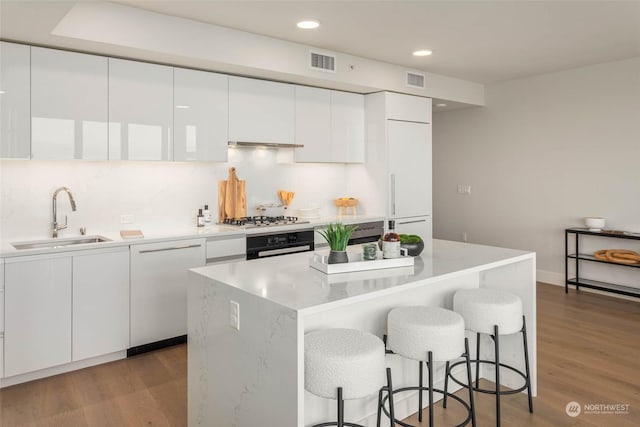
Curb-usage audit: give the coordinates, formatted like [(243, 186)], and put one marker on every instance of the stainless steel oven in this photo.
[(367, 232), (274, 243)]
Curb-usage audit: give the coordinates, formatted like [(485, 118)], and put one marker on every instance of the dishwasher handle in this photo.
[(175, 248)]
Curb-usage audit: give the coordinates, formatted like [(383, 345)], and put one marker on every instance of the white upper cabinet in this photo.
[(68, 105), (15, 128), (408, 107), (261, 111), (140, 110), (347, 127), (330, 125), (313, 124), (200, 115)]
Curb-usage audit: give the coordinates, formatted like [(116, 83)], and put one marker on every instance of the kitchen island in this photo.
[(253, 374)]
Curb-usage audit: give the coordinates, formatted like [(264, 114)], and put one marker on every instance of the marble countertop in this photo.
[(291, 282), (165, 234)]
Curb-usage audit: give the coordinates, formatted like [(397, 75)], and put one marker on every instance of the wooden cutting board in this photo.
[(232, 198)]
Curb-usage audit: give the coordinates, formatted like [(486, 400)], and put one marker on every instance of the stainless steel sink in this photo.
[(58, 243)]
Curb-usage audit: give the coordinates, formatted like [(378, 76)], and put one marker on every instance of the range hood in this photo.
[(245, 144)]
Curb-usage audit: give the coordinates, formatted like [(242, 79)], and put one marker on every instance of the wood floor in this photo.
[(588, 352)]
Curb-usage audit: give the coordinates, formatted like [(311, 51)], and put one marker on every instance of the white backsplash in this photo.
[(160, 195)]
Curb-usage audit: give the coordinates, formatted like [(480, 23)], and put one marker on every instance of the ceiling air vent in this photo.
[(323, 62), (415, 80)]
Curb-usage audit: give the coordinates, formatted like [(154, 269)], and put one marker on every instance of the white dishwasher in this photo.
[(159, 277)]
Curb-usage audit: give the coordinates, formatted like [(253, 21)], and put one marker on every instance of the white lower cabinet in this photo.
[(100, 303), (66, 307), (38, 313), (159, 277)]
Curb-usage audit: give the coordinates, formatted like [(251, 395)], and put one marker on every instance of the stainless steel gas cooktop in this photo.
[(263, 221)]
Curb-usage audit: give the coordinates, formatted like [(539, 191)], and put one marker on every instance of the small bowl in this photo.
[(594, 223), (414, 249)]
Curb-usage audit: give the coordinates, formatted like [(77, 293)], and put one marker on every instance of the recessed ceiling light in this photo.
[(425, 52), (308, 24), (183, 107), (442, 104)]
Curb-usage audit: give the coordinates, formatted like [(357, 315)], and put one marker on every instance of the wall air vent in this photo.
[(323, 62), (415, 80)]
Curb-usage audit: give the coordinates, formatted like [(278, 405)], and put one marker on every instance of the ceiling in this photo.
[(480, 41)]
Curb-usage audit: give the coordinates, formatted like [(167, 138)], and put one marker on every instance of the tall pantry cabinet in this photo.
[(399, 159)]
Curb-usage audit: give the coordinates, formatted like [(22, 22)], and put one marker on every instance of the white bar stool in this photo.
[(345, 364), (429, 334), (495, 313)]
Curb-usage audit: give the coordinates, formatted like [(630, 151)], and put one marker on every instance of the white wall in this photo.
[(161, 195), (545, 152)]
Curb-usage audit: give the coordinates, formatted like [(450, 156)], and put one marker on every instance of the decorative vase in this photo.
[(414, 249), (338, 257)]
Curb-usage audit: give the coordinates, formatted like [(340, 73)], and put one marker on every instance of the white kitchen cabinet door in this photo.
[(200, 116), (140, 110), (68, 105), (1, 300), (347, 127), (261, 111), (409, 161), (100, 303), (159, 277), (313, 124), (38, 313), (15, 98), (408, 107), (1, 318)]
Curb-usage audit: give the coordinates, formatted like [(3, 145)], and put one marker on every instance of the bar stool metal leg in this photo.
[(430, 370), (526, 363), (340, 408), (496, 341), (389, 390), (420, 393), (446, 384), (392, 415), (478, 358), (468, 363)]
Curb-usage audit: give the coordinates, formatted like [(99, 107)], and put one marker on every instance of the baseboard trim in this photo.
[(145, 348)]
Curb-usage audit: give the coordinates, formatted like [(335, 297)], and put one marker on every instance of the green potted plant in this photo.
[(337, 236), (414, 244)]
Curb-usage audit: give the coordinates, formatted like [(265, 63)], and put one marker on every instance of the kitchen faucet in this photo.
[(55, 225)]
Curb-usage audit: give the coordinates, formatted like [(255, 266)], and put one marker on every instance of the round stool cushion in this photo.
[(347, 358), (484, 308), (414, 331)]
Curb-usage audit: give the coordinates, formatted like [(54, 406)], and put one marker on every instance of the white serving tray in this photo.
[(319, 262)]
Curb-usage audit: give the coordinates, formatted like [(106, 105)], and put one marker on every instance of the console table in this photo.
[(577, 257)]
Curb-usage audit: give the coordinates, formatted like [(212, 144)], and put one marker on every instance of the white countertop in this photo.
[(166, 234), (292, 283)]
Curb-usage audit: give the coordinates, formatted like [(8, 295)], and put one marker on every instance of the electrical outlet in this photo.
[(234, 315), (127, 219)]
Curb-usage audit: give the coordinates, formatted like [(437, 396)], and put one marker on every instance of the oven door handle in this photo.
[(283, 251)]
